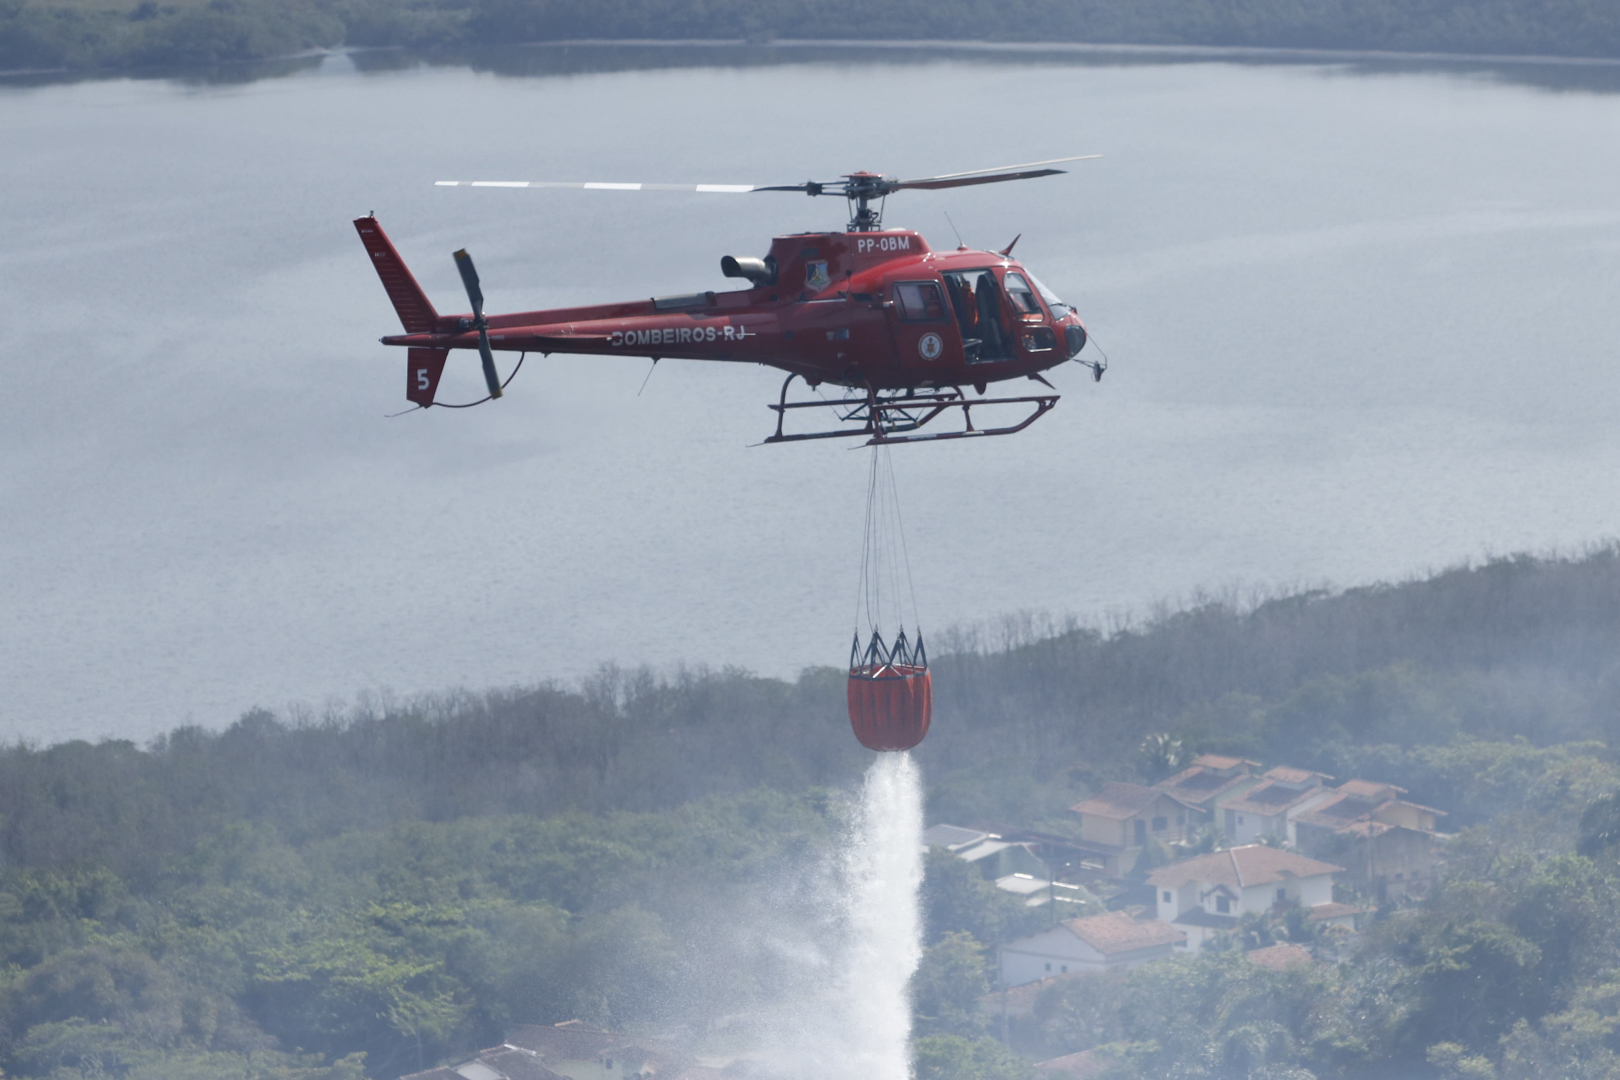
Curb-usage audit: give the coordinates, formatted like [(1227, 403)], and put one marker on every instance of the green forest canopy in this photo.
[(374, 892), (85, 34)]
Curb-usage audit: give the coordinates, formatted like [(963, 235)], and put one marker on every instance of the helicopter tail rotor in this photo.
[(469, 278)]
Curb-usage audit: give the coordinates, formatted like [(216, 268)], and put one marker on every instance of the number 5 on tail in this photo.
[(423, 368)]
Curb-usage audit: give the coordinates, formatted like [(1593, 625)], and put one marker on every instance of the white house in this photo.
[(1093, 943), (1209, 894), (1269, 807)]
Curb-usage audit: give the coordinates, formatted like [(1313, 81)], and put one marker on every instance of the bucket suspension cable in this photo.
[(876, 655), (883, 597), (890, 691)]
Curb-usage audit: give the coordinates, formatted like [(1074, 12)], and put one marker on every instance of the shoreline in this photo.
[(1100, 49)]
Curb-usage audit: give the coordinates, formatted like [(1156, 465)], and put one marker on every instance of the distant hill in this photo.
[(1518, 648), (111, 34)]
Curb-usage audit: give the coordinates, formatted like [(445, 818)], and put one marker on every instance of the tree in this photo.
[(1161, 755), (956, 898), (952, 1057), (1600, 828), (946, 987)]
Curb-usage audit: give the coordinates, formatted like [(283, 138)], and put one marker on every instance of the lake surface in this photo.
[(1361, 322)]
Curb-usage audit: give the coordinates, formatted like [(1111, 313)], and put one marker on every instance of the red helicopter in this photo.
[(875, 310)]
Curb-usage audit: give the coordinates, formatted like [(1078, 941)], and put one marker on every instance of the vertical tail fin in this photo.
[(416, 312), (422, 370)]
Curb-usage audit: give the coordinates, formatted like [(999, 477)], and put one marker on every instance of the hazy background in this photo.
[(1359, 321)]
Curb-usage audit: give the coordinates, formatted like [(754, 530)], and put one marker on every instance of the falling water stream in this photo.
[(848, 1017), (883, 876)]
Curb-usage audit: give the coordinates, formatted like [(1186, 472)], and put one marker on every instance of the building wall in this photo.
[(1248, 828), (1317, 798), (1053, 952), (1171, 904), (1175, 819), (1402, 862), (1170, 815), (1398, 863), (1244, 827), (1101, 830), (1306, 892), (1197, 936), (1141, 956), (1406, 815)]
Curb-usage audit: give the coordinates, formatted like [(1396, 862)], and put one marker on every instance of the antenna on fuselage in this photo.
[(960, 243)]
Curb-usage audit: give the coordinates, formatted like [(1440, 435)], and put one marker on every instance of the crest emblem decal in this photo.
[(815, 275), (929, 346)]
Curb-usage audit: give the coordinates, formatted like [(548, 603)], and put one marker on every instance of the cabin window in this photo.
[(976, 299), (1059, 308), (920, 301), (1022, 296), (1223, 905), (1039, 339), (1160, 824)]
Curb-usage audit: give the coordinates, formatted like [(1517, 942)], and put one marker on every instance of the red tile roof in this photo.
[(1116, 932), (1216, 761), (1082, 1066), (1270, 799), (1281, 957), (1199, 784), (1334, 911), (1240, 867), (1290, 775), (1370, 789), (1119, 800)]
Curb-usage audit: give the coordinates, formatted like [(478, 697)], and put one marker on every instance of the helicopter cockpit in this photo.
[(988, 335)]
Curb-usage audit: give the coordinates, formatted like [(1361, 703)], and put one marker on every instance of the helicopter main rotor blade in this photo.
[(1003, 168), (714, 189), (987, 176), (809, 187)]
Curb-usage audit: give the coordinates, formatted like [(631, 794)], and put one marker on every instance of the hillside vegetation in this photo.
[(88, 34), (322, 897)]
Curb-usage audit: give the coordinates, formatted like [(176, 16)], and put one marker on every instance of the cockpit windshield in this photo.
[(1059, 308)]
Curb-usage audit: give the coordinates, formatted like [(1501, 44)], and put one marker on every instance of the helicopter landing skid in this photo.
[(894, 418)]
